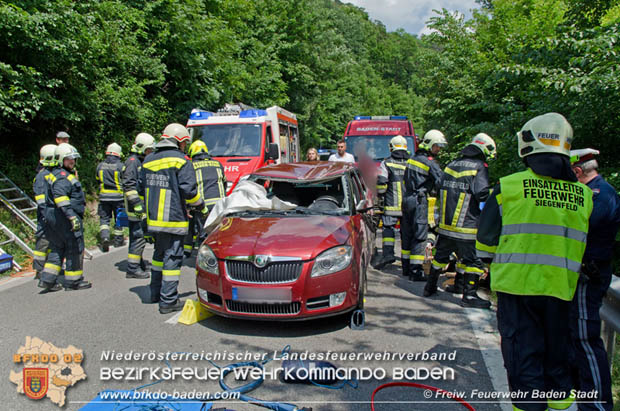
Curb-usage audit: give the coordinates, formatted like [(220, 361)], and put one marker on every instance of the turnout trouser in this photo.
[(535, 345), (195, 232), (590, 366), (414, 229), (468, 261), (388, 236), (67, 248), (166, 267), (136, 245), (105, 211), (41, 249)]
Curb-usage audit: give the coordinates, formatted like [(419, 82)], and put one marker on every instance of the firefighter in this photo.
[(534, 227), (143, 145), (465, 184), (591, 363), (169, 181), (109, 174), (64, 213), (211, 186), (41, 181), (62, 137), (390, 187), (422, 177)]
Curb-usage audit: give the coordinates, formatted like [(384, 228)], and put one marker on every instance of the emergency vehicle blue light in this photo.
[(199, 114), (252, 113), (398, 117), (362, 117)]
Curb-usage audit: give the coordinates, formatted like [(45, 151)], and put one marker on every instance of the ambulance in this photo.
[(245, 138)]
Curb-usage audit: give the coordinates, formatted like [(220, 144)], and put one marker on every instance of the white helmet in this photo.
[(582, 155), (549, 133), (485, 144), (143, 142), (176, 132), (431, 138), (114, 150), (398, 143), (65, 150), (46, 155)]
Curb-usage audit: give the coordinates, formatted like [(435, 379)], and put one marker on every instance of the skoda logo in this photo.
[(261, 260)]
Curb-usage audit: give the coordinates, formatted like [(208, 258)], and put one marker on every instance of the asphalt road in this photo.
[(112, 317)]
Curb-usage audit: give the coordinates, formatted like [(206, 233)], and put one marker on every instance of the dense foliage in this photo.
[(106, 70)]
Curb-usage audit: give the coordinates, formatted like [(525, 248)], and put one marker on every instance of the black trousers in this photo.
[(536, 346), (590, 367), (465, 251), (166, 267), (106, 211), (136, 245), (414, 228)]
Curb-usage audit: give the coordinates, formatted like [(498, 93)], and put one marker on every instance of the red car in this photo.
[(307, 262)]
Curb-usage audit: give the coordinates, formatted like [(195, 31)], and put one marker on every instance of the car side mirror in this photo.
[(362, 206), (274, 151)]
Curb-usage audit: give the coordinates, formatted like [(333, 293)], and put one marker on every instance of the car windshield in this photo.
[(230, 140), (328, 197), (376, 147)]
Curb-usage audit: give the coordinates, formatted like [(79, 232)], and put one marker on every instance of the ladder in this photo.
[(12, 201)]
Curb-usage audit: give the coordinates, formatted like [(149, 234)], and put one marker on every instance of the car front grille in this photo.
[(263, 308), (274, 273)]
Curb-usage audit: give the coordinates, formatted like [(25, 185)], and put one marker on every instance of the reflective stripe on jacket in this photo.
[(65, 200), (390, 182), (109, 174), (210, 178), (169, 183), (544, 226), (423, 174), (40, 187), (131, 175), (464, 186)]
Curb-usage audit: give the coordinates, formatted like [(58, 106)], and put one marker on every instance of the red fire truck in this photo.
[(372, 134), (245, 139)]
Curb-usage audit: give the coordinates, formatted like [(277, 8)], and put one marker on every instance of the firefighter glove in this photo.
[(76, 225)]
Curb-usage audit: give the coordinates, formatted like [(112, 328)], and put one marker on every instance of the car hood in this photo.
[(293, 236)]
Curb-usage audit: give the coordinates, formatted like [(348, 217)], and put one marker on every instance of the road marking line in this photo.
[(488, 342), (174, 319)]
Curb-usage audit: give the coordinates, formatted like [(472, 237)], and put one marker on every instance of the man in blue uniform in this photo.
[(108, 175), (591, 363), (40, 188)]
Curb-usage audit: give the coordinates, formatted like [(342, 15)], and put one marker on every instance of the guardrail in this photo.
[(610, 316)]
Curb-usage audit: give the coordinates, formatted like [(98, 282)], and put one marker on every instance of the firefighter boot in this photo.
[(80, 285), (119, 241), (105, 244), (431, 284), (470, 296), (457, 287), (406, 266), (140, 274), (387, 258), (417, 273), (49, 287)]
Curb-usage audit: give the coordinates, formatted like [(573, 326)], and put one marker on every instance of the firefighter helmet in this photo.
[(114, 150), (46, 155), (176, 132), (143, 142), (548, 133), (485, 144), (197, 146), (398, 143), (431, 138), (65, 150), (582, 155)]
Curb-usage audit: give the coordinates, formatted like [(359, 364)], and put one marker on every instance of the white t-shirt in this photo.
[(348, 158)]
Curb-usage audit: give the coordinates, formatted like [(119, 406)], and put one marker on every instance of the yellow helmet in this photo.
[(398, 143), (431, 138), (65, 150), (143, 142), (197, 146), (549, 133), (46, 155), (485, 143), (114, 150), (177, 133)]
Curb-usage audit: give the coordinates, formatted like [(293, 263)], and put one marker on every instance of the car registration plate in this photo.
[(262, 295)]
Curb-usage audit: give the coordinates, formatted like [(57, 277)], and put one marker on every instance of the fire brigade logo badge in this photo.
[(261, 260), (35, 382)]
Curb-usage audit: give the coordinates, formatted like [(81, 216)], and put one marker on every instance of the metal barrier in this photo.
[(610, 316)]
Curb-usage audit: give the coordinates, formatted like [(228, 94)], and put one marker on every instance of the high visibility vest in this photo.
[(543, 237)]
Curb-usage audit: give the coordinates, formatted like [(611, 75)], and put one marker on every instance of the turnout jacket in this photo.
[(390, 182), (65, 200), (422, 175), (210, 178), (40, 188), (130, 180), (109, 174), (465, 184), (168, 184)]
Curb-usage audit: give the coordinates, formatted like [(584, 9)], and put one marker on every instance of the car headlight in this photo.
[(333, 260), (207, 260)]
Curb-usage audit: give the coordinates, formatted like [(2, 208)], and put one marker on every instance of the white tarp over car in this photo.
[(247, 196)]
